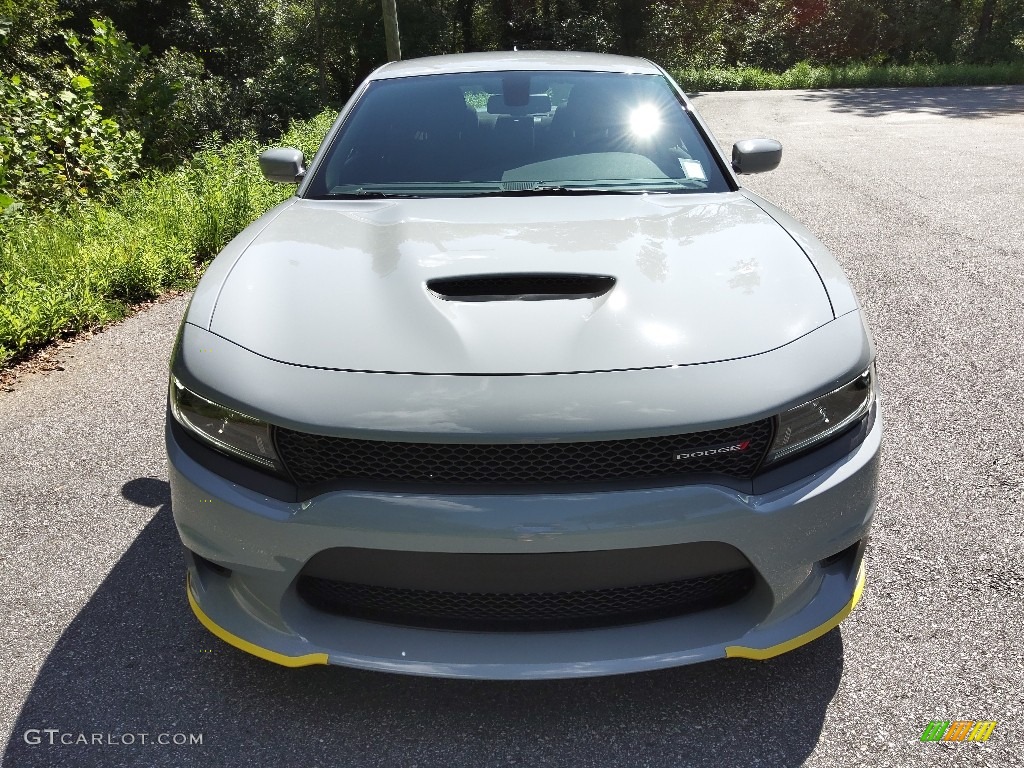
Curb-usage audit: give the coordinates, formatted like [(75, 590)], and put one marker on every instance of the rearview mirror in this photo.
[(283, 165), (756, 155)]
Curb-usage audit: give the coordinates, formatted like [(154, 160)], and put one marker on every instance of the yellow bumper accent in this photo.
[(742, 652), (245, 645)]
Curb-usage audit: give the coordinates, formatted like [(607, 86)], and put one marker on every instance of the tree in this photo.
[(32, 41)]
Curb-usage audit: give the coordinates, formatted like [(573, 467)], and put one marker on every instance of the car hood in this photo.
[(343, 284)]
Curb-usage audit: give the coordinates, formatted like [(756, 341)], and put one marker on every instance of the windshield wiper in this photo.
[(565, 189), (407, 190), (366, 194), (498, 189)]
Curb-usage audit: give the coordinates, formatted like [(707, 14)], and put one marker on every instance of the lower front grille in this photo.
[(519, 612)]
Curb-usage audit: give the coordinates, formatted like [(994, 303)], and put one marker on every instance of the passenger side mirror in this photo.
[(283, 165), (756, 155)]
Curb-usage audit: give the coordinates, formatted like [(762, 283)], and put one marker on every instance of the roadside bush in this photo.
[(64, 272), (32, 41), (804, 75), (56, 148), (169, 100)]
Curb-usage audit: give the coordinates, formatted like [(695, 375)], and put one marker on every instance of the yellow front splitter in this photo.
[(308, 659), (742, 652), (731, 651)]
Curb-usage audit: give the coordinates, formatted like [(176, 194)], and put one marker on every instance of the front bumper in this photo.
[(789, 535)]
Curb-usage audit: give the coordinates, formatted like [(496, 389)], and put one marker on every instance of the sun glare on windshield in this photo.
[(645, 121)]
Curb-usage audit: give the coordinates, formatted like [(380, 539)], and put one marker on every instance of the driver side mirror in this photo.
[(756, 155), (283, 165)]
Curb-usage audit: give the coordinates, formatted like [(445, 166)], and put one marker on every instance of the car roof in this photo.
[(500, 61)]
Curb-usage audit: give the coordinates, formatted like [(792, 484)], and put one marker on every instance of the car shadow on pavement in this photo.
[(963, 102), (135, 661)]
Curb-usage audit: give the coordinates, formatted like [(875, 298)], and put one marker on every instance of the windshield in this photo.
[(517, 133)]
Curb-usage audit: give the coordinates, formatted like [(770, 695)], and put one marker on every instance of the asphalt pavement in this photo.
[(919, 192)]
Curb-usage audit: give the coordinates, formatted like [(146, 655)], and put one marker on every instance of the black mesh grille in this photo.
[(525, 611), (314, 459), (496, 287)]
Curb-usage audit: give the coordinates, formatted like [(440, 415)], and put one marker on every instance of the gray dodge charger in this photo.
[(521, 383)]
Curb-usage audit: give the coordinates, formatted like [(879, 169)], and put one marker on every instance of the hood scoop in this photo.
[(540, 286)]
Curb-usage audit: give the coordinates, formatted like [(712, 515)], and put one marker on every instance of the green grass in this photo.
[(852, 76), (62, 273)]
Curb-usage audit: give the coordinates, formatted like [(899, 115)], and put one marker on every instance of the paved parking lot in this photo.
[(919, 193)]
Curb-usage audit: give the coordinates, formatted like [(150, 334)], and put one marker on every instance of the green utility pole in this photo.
[(391, 30)]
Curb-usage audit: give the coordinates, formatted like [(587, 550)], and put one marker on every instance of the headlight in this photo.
[(228, 431), (817, 420)]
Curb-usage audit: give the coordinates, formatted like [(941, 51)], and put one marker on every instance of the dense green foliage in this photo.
[(804, 75), (57, 146), (68, 271)]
